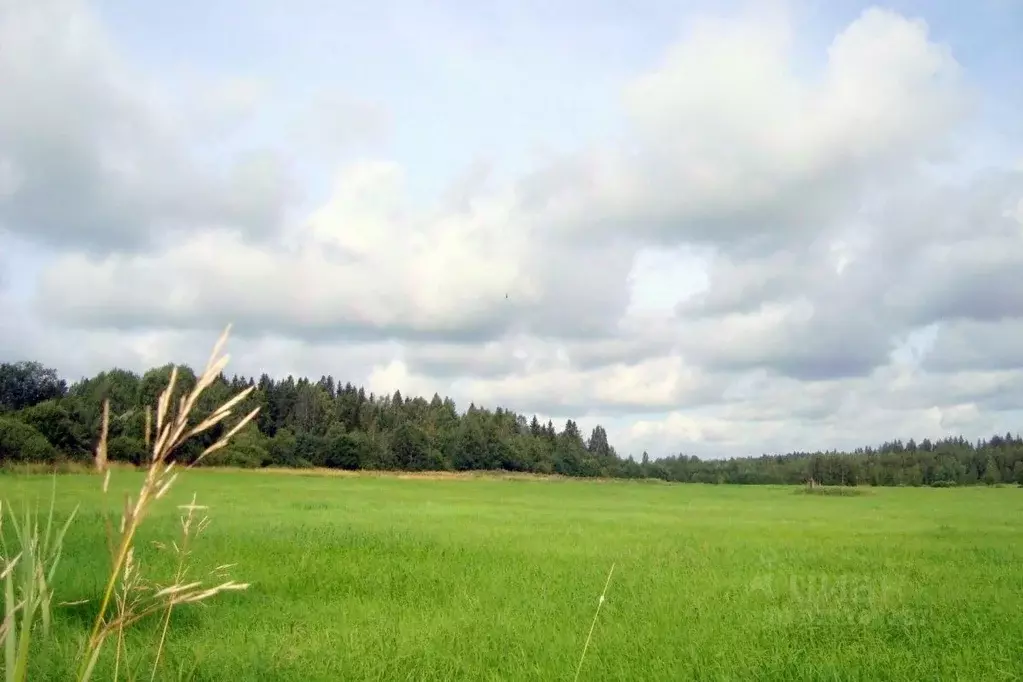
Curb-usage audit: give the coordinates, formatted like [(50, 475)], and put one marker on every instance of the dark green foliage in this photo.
[(127, 449), (346, 450), (248, 450), (23, 384), (20, 442), (61, 427), (303, 423)]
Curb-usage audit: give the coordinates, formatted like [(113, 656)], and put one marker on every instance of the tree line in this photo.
[(323, 423)]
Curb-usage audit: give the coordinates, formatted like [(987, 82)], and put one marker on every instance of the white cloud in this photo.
[(753, 264), (93, 154), (732, 146), (448, 272)]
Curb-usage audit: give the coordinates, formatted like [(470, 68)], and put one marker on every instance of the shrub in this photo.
[(22, 442), (247, 451), (59, 427), (127, 449)]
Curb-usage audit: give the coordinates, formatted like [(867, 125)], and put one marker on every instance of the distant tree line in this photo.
[(303, 423)]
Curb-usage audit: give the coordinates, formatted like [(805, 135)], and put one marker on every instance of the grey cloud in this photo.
[(860, 413), (969, 345), (585, 289), (772, 199), (1006, 396), (741, 285), (511, 355), (138, 312), (929, 253), (960, 256), (583, 405), (821, 347), (895, 390), (775, 209), (553, 287), (77, 352), (629, 348), (94, 156), (258, 189), (793, 314), (983, 292), (453, 360), (760, 395), (23, 337), (574, 311)]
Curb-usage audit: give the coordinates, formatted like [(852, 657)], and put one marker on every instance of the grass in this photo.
[(387, 578)]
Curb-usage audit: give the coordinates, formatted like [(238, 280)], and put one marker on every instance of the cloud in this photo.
[(970, 345), (769, 253), (447, 273), (956, 253), (362, 266), (732, 148), (766, 414), (95, 156), (930, 252), (79, 353), (651, 384)]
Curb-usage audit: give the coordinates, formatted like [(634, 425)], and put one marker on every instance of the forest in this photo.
[(323, 423)]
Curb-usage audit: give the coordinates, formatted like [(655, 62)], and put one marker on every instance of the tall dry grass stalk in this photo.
[(28, 575), (137, 598)]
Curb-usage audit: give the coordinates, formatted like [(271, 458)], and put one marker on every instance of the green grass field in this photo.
[(383, 578)]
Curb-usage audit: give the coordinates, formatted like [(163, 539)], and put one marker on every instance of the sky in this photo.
[(717, 228)]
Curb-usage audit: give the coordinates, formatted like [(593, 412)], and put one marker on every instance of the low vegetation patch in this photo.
[(833, 491)]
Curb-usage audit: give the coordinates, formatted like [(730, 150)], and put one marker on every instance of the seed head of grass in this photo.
[(173, 426)]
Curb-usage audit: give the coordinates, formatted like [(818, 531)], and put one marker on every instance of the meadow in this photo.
[(487, 578)]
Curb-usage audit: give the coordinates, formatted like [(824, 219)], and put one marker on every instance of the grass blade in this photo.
[(600, 603), (10, 619)]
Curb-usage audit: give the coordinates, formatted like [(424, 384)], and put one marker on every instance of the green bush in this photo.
[(247, 451), (59, 426), (241, 456), (127, 449), (20, 442)]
